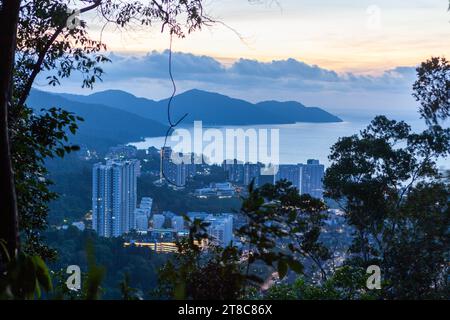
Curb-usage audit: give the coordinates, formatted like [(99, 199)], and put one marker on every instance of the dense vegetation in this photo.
[(211, 108), (138, 265), (103, 126), (385, 180)]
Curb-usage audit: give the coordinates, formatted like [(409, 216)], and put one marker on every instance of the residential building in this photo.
[(197, 215), (291, 173), (79, 225), (141, 220), (312, 178), (114, 189), (173, 173), (158, 221), (235, 170), (251, 172), (146, 204), (177, 223), (220, 229), (223, 189), (143, 213), (122, 152)]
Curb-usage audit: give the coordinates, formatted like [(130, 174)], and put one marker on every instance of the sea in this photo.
[(297, 142)]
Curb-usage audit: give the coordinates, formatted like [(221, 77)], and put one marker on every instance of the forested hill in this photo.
[(103, 126), (209, 107)]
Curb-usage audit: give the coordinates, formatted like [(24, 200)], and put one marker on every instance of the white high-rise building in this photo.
[(173, 173), (158, 221), (252, 172), (312, 178), (177, 223), (146, 203), (142, 214), (141, 220), (220, 229), (114, 189), (291, 173)]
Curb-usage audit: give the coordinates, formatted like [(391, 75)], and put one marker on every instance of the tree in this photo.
[(200, 272), (283, 227), (386, 181), (346, 283), (36, 36), (9, 15), (432, 89)]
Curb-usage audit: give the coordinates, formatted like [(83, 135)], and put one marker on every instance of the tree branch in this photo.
[(37, 66)]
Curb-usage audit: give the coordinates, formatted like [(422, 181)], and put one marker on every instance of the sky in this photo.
[(350, 57), (345, 35)]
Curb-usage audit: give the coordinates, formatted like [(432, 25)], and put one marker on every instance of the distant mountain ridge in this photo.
[(209, 107), (103, 126), (116, 117)]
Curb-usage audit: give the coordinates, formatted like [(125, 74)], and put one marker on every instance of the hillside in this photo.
[(211, 108), (103, 126)]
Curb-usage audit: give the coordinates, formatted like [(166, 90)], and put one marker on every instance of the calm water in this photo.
[(301, 141)]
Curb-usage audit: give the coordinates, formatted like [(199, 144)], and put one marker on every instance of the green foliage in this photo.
[(44, 43), (346, 283), (128, 293), (274, 214), (25, 278), (61, 291), (140, 265), (74, 199), (36, 137), (387, 182), (432, 89), (200, 274), (92, 287), (278, 214), (390, 189)]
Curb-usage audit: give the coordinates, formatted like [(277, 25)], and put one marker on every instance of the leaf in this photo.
[(282, 268), (4, 250), (180, 291), (37, 290), (255, 279), (42, 274), (296, 266), (27, 276)]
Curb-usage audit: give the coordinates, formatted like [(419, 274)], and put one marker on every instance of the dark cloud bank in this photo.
[(345, 94)]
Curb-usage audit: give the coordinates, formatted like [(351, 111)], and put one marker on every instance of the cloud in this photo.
[(245, 73), (155, 65), (283, 69), (345, 94)]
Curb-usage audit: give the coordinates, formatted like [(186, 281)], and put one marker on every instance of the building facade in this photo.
[(220, 229), (142, 214), (177, 223), (114, 191), (252, 172), (158, 221), (174, 173), (312, 178), (291, 173)]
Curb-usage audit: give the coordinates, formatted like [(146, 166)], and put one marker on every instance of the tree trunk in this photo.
[(9, 231)]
